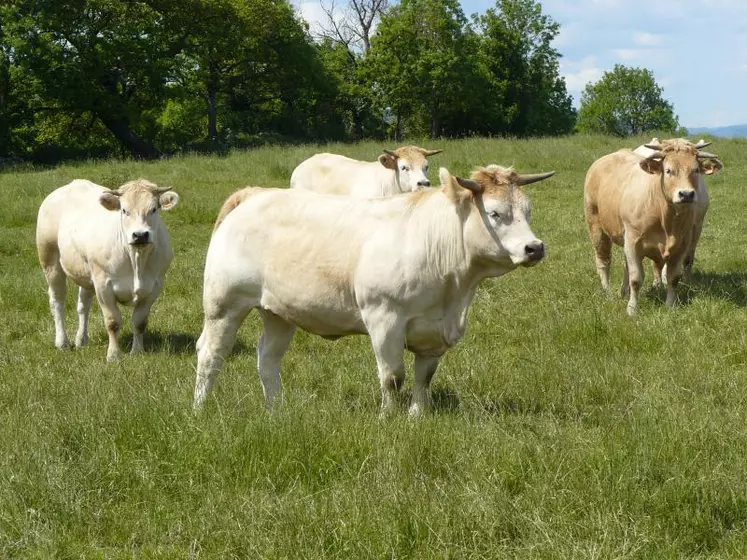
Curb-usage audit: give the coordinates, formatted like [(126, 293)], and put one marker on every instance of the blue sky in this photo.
[(696, 49)]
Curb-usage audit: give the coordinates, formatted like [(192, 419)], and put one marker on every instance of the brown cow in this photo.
[(648, 205)]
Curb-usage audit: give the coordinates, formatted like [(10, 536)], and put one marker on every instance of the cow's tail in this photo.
[(232, 202)]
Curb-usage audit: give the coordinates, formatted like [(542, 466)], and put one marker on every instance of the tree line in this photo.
[(142, 78)]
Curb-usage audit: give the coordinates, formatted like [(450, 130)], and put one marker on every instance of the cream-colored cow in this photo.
[(648, 205), (711, 166), (402, 170), (401, 269), (111, 243)]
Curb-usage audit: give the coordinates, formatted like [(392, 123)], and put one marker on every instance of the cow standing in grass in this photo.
[(648, 205), (111, 243), (401, 269), (710, 166), (402, 170)]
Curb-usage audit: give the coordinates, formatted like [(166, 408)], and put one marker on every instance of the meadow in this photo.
[(562, 428)]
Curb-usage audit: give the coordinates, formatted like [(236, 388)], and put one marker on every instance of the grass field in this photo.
[(562, 427)]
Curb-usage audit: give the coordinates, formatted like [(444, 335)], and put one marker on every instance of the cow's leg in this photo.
[(674, 275), (424, 369), (658, 268), (387, 334), (57, 280), (625, 284), (85, 297), (218, 337), (635, 272), (690, 257), (276, 337), (112, 320), (139, 319), (602, 252)]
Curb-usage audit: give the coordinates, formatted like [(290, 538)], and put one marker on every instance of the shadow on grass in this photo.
[(728, 286), (173, 343)]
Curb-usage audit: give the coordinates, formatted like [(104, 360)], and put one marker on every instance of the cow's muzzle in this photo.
[(140, 238), (685, 196), (534, 252)]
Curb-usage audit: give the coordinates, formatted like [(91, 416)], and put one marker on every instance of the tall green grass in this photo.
[(562, 428)]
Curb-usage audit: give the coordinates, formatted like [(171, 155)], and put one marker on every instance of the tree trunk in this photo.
[(120, 128), (212, 102)]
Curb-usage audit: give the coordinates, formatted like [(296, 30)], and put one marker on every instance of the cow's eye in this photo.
[(668, 171), (404, 168), (124, 211), (495, 215), (153, 211)]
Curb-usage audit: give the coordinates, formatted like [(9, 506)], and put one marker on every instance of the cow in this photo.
[(402, 170), (648, 205), (401, 269), (711, 167), (111, 243)]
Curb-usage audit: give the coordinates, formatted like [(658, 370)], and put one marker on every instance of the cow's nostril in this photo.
[(535, 249), (687, 195), (424, 183), (140, 236)]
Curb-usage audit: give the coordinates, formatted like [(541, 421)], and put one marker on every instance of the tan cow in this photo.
[(402, 170), (111, 243), (710, 166), (401, 269), (648, 206)]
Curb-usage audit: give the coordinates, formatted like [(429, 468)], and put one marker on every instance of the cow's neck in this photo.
[(139, 256)]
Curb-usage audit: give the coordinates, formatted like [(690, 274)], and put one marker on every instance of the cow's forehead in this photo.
[(139, 193), (413, 154)]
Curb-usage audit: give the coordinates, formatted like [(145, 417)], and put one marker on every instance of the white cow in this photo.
[(111, 243), (711, 166), (401, 269), (402, 170)]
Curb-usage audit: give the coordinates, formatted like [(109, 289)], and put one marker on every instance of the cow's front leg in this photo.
[(139, 319), (85, 297), (635, 272), (674, 275), (276, 337), (112, 319), (425, 367), (387, 332)]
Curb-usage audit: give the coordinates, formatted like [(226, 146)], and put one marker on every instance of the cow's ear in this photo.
[(652, 165), (388, 161), (710, 166), (168, 200), (110, 201)]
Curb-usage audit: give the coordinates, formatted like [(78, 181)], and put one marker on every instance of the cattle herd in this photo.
[(361, 248)]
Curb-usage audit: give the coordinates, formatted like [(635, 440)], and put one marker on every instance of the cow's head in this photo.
[(679, 162), (138, 203), (410, 166), (501, 213)]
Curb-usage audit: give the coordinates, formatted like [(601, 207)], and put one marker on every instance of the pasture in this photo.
[(562, 428)]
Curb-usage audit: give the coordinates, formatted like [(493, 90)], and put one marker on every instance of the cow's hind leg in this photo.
[(602, 253), (85, 297), (276, 337), (635, 272), (57, 280), (424, 369), (217, 339), (674, 275)]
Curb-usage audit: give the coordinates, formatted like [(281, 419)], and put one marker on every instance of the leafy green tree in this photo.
[(624, 102), (418, 63), (529, 97)]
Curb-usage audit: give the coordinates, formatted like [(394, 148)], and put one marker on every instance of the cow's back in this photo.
[(335, 174), (615, 188)]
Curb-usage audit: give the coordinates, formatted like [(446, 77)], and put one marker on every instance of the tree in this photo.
[(625, 102), (419, 61), (529, 96), (354, 25)]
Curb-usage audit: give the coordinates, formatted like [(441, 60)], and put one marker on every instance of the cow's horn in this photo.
[(427, 153), (115, 192), (656, 147), (390, 153), (161, 190), (702, 144), (706, 155), (528, 179), (655, 155)]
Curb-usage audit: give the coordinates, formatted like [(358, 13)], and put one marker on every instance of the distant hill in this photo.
[(733, 131)]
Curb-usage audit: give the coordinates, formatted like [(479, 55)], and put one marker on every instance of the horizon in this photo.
[(704, 89)]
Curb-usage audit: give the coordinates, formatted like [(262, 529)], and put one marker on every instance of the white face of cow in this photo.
[(410, 167), (501, 213), (138, 203)]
